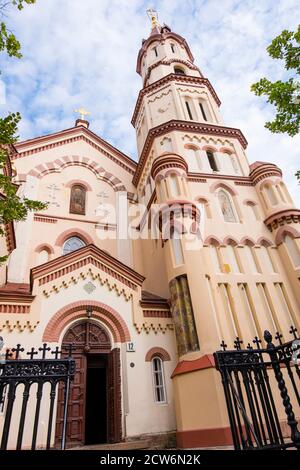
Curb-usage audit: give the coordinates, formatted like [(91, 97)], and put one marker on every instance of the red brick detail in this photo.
[(82, 183), (15, 309), (204, 438), (283, 231), (77, 310), (72, 232), (204, 362), (157, 314), (160, 352), (44, 246), (44, 219)]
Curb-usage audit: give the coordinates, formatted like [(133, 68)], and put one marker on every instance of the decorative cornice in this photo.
[(74, 134), (188, 79), (169, 62), (202, 177), (90, 254), (283, 217), (154, 313), (10, 237), (168, 160), (260, 171), (184, 126)]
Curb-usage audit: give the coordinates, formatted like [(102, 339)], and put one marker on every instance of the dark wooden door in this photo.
[(88, 338), (114, 397)]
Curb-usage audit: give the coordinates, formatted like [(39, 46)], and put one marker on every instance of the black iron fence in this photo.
[(28, 388), (261, 387)]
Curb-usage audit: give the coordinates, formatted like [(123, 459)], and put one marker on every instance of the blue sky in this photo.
[(84, 53)]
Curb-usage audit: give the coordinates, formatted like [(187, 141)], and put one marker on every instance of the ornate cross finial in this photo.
[(44, 350), (17, 351), (153, 15), (278, 336), (56, 352), (32, 353), (257, 342), (82, 112), (293, 331), (237, 343), (223, 345)]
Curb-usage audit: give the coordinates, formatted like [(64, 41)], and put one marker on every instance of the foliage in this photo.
[(12, 207), (285, 95)]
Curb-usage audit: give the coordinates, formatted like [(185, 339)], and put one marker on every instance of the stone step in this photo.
[(128, 445)]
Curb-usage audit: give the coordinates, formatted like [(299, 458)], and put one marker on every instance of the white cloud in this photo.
[(84, 53)]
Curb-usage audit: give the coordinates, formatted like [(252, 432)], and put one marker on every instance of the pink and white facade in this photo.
[(172, 302)]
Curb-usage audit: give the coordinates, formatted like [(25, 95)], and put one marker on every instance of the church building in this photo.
[(146, 267)]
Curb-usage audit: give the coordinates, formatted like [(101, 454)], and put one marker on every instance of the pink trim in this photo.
[(283, 231), (225, 186), (209, 148), (264, 242), (202, 199), (247, 241), (191, 146), (228, 151), (160, 352), (266, 182), (228, 241), (73, 232), (77, 310), (82, 183), (211, 240), (173, 172), (46, 247)]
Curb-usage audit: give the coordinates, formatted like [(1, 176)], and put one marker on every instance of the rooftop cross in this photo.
[(153, 15), (83, 113)]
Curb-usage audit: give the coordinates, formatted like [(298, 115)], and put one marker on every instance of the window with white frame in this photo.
[(227, 206), (158, 380)]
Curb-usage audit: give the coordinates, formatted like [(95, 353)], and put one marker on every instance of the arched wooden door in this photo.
[(94, 409)]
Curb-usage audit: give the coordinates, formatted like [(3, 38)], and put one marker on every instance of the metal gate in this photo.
[(28, 388), (261, 387)]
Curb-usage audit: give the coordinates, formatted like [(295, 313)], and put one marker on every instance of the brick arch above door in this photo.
[(76, 311)]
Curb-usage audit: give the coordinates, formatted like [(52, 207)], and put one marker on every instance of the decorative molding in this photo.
[(168, 160), (18, 325), (155, 313), (172, 77), (283, 231), (157, 351), (14, 308), (262, 170), (90, 254), (169, 62), (177, 125), (45, 219), (73, 232), (102, 312), (63, 162), (281, 218), (74, 134), (155, 326)]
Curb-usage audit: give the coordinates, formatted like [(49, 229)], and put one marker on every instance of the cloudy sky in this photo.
[(84, 53)]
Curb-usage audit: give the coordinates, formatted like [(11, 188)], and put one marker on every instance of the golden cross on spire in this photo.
[(153, 15), (83, 113)]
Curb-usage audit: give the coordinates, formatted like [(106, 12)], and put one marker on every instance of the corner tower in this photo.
[(237, 284)]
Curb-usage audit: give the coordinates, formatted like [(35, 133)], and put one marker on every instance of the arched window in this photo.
[(232, 259), (77, 199), (292, 249), (253, 209), (203, 110), (193, 159), (72, 244), (204, 206), (271, 195), (173, 48), (212, 160), (235, 164), (216, 257), (188, 105), (42, 257), (158, 380), (251, 261), (226, 206), (174, 186), (179, 70), (176, 247), (267, 261)]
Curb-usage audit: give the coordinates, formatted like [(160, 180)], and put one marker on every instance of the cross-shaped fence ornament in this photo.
[(293, 331), (223, 345), (278, 336), (32, 353), (249, 346), (257, 342), (237, 343), (56, 352), (44, 350), (17, 351)]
